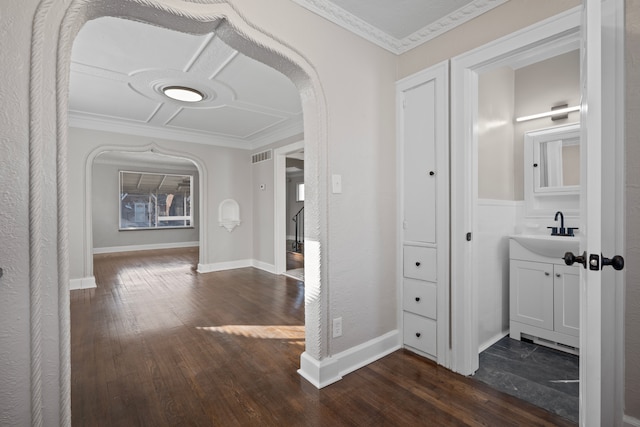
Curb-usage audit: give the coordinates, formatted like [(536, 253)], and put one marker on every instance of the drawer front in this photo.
[(420, 333), (420, 263), (420, 297)]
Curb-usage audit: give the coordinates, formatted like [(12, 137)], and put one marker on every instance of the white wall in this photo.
[(105, 209), (495, 134), (496, 221), (539, 87), (263, 212), (227, 177)]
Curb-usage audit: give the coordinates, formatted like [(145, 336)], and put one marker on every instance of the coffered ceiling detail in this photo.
[(119, 68)]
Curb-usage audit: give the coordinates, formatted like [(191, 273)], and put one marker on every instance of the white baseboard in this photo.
[(491, 341), (131, 248), (629, 421), (227, 265), (322, 373), (269, 268), (82, 283)]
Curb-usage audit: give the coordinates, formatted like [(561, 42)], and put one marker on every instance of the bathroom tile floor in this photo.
[(540, 375)]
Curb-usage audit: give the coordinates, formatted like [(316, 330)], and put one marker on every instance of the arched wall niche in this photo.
[(50, 68)]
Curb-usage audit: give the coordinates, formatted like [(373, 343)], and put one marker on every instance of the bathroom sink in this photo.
[(549, 246)]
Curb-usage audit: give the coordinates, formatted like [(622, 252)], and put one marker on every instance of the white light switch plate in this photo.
[(336, 184)]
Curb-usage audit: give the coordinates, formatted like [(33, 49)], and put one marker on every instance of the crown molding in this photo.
[(109, 124), (347, 20)]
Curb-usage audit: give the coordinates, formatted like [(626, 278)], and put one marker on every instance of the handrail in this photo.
[(299, 221)]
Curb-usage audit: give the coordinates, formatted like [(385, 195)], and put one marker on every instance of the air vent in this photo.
[(261, 157)]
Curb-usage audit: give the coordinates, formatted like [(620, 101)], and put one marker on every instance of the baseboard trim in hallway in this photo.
[(322, 373)]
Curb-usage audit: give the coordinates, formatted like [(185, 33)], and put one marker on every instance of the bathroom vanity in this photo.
[(544, 291)]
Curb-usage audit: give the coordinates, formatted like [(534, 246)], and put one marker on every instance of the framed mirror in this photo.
[(552, 169)]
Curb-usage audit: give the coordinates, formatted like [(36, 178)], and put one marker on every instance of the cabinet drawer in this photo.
[(419, 297), (420, 333), (420, 263)]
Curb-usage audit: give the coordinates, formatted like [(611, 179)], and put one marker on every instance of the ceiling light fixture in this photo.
[(183, 93), (557, 112)]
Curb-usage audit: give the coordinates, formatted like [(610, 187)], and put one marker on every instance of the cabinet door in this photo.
[(566, 287), (531, 293), (419, 130)]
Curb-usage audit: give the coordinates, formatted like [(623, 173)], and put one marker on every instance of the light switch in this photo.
[(336, 184)]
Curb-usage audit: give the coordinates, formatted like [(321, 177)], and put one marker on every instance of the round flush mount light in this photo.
[(183, 93)]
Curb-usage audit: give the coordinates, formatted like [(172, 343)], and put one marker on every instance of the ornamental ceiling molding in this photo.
[(327, 9)]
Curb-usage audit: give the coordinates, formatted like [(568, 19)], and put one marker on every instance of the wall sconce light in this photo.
[(556, 113)]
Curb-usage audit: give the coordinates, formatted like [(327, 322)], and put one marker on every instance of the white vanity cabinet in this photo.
[(544, 298), (423, 211)]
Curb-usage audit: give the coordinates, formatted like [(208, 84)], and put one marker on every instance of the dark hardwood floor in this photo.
[(157, 344)]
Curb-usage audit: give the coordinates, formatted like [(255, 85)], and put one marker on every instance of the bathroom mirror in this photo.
[(552, 169), (558, 163)]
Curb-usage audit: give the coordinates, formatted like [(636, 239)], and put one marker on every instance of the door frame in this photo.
[(280, 203), (548, 35), (553, 36)]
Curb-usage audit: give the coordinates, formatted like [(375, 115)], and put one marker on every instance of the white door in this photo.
[(592, 401)]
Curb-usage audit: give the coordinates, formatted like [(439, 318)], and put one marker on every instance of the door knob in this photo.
[(570, 259), (617, 262)]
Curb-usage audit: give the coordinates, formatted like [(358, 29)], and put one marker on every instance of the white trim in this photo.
[(334, 13), (280, 204), (269, 268), (149, 247), (497, 202), (492, 341), (327, 371), (82, 283), (264, 137), (630, 421), (225, 265), (559, 31)]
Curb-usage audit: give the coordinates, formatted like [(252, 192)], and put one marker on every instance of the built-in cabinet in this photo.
[(423, 207), (544, 299)]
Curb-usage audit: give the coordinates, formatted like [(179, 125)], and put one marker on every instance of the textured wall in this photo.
[(632, 309)]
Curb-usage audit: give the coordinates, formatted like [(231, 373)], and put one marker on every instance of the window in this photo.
[(153, 200), (300, 192)]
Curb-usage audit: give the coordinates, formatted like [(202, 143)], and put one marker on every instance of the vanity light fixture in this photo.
[(557, 112), (183, 93)]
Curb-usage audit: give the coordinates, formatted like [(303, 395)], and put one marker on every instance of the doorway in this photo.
[(548, 38), (192, 18), (289, 215)]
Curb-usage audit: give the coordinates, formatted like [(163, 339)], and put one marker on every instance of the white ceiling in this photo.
[(399, 25), (119, 67)]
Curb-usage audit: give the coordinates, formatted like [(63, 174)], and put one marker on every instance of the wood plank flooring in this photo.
[(157, 344)]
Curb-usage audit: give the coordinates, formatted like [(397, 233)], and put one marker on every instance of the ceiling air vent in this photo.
[(261, 157)]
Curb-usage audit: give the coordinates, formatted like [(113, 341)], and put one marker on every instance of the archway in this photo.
[(49, 112), (203, 209)]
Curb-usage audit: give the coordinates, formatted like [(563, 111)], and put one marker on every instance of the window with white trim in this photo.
[(155, 200)]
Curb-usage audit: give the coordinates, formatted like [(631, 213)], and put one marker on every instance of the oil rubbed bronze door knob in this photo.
[(417, 263), (418, 334), (417, 299)]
